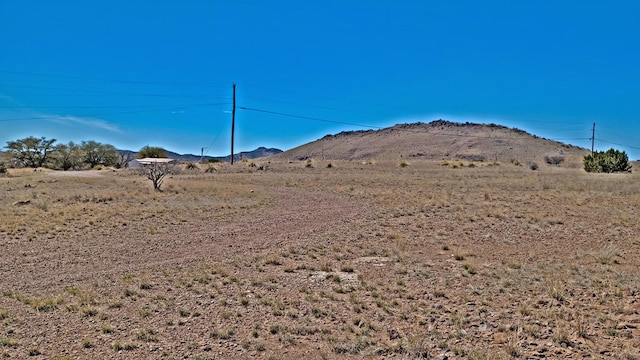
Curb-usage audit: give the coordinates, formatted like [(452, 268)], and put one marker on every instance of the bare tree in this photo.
[(156, 172), (125, 159)]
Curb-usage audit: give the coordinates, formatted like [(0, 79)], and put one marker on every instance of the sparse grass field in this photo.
[(352, 260)]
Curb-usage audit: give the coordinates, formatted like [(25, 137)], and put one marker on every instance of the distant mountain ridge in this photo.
[(257, 153), (254, 154)]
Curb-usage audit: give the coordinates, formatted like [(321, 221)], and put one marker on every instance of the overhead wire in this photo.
[(307, 117), (614, 143), (99, 106), (121, 81), (86, 92), (310, 106), (47, 117), (351, 101)]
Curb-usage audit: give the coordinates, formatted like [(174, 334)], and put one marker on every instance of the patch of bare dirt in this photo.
[(292, 216), (81, 174)]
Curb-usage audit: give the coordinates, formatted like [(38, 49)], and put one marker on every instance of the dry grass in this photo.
[(109, 201), (354, 260)]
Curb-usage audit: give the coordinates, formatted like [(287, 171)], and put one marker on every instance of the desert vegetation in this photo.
[(158, 171), (41, 152), (36, 153), (609, 161), (357, 260), (152, 152)]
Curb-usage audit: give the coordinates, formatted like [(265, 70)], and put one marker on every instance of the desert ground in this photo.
[(321, 260)]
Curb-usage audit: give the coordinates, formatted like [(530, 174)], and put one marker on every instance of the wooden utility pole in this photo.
[(593, 137), (233, 120)]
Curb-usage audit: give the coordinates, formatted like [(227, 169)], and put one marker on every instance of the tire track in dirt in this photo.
[(294, 217)]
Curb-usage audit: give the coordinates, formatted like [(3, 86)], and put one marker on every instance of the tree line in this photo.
[(36, 152)]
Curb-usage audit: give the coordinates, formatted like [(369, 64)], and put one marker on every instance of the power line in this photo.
[(613, 143), (593, 137), (311, 106), (330, 98), (98, 106), (213, 141), (114, 80), (48, 117), (572, 139), (308, 117), (233, 121), (84, 92)]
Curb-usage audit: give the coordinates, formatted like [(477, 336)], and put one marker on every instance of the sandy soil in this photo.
[(83, 174), (353, 261)]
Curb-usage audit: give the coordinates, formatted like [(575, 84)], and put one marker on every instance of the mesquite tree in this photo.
[(125, 158), (68, 156), (152, 152), (31, 151), (156, 172), (96, 153)]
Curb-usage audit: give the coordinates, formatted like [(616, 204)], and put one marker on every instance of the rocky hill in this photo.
[(439, 140)]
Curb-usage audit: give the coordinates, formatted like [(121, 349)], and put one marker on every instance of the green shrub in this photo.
[(151, 152), (609, 161)]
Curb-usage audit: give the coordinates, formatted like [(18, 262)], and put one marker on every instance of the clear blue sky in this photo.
[(160, 73)]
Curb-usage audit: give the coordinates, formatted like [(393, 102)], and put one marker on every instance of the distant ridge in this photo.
[(437, 140), (257, 153)]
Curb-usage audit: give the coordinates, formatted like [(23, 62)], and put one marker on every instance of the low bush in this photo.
[(211, 169), (191, 166), (554, 160)]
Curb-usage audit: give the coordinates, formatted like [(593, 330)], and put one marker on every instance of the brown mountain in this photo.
[(439, 140)]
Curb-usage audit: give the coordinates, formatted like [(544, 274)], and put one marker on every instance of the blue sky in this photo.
[(160, 73)]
